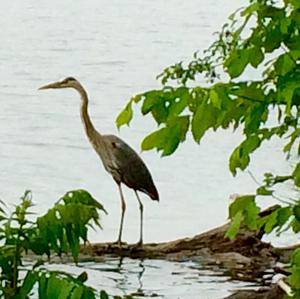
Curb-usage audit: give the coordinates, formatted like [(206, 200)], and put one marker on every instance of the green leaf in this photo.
[(43, 284), (82, 277), (250, 215), (29, 281), (240, 157), (293, 137), (262, 190), (247, 206), (236, 161), (251, 91), (249, 10), (284, 25), (284, 64), (271, 222), (154, 140), (295, 259), (295, 15), (234, 225), (237, 62), (294, 278), (214, 97), (167, 139), (172, 139), (273, 36), (204, 118), (151, 99), (180, 99), (67, 287), (125, 115), (256, 56), (296, 175), (54, 286), (103, 295), (284, 215), (176, 132), (77, 292), (82, 197), (288, 85), (240, 204), (296, 212), (88, 293), (295, 224)]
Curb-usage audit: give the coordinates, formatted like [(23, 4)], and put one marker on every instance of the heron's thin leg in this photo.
[(123, 208), (141, 214)]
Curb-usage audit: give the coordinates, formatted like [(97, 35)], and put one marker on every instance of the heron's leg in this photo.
[(141, 219), (123, 208)]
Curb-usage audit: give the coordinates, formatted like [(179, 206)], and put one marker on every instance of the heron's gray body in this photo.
[(124, 164)]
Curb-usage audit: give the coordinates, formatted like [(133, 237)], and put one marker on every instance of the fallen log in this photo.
[(273, 292), (247, 243), (246, 257)]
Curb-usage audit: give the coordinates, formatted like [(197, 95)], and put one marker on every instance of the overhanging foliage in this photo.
[(211, 92)]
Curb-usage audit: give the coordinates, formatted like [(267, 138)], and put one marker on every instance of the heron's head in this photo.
[(68, 82)]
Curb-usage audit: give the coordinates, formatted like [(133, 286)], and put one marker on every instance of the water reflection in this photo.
[(156, 278), (125, 269)]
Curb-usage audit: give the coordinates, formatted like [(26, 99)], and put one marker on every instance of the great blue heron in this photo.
[(118, 158)]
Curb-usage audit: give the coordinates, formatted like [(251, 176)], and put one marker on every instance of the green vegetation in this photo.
[(265, 36), (59, 231)]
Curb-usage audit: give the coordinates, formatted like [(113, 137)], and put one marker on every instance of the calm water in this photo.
[(115, 48)]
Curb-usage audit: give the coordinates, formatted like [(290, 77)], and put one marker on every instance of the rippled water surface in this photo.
[(115, 48), (156, 278)]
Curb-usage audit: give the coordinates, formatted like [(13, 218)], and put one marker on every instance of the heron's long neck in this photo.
[(88, 125)]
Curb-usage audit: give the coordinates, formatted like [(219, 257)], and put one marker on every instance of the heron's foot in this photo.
[(137, 247), (118, 243), (87, 244), (139, 244)]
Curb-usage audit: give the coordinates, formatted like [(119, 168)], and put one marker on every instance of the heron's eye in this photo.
[(114, 144), (69, 79)]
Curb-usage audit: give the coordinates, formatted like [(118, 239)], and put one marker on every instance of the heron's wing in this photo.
[(129, 166)]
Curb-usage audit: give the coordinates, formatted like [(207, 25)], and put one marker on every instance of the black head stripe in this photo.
[(70, 79)]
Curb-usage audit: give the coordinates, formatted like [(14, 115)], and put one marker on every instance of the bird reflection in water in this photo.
[(129, 278), (128, 272)]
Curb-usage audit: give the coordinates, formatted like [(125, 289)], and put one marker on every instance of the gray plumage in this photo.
[(118, 158)]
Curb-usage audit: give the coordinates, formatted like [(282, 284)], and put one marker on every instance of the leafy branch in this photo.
[(210, 93)]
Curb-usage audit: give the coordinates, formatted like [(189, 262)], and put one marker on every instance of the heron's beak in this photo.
[(51, 85)]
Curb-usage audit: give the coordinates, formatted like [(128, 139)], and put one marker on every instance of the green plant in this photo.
[(265, 36), (59, 231)]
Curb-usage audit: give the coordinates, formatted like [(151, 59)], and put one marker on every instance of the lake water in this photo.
[(115, 48)]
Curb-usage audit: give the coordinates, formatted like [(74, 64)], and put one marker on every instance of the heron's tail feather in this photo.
[(154, 194), (151, 192)]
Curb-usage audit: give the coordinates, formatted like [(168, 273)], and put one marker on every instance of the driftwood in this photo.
[(213, 242), (247, 243), (273, 292), (246, 257)]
